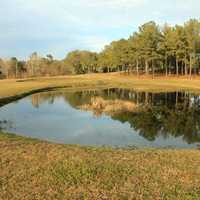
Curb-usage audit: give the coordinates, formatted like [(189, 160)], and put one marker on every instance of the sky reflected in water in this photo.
[(111, 117)]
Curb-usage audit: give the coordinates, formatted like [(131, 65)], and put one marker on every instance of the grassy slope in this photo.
[(12, 87), (31, 169)]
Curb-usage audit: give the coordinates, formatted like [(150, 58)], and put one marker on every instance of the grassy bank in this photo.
[(32, 169), (13, 89)]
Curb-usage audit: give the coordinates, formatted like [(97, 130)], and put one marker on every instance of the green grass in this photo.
[(32, 169)]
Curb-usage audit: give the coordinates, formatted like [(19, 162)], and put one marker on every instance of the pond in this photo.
[(107, 117)]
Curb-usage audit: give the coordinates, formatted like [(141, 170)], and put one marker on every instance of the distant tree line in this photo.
[(33, 67), (166, 50)]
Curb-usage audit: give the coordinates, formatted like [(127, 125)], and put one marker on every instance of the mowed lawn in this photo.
[(15, 87), (33, 169)]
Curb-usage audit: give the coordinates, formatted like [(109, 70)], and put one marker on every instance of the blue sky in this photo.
[(59, 26)]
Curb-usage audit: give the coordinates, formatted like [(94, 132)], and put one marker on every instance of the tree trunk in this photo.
[(153, 69), (176, 67), (186, 66), (128, 70), (169, 68), (146, 67), (137, 67), (166, 68), (190, 65), (182, 73)]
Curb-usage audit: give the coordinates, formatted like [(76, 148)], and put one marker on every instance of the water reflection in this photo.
[(150, 114), (113, 117), (4, 124)]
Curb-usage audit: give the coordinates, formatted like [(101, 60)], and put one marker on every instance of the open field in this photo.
[(31, 169), (13, 89)]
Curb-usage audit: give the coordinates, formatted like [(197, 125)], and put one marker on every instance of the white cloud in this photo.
[(93, 42)]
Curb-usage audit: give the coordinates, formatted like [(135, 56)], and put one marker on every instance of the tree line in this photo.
[(153, 49), (33, 67)]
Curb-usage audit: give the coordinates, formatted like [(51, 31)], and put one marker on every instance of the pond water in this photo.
[(110, 117)]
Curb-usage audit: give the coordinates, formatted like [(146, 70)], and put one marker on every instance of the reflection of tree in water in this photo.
[(162, 121), (5, 124), (161, 114), (39, 98)]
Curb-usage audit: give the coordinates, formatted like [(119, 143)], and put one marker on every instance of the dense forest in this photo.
[(153, 49)]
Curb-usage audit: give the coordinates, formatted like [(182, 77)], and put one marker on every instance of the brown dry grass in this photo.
[(99, 105), (31, 169), (15, 87)]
